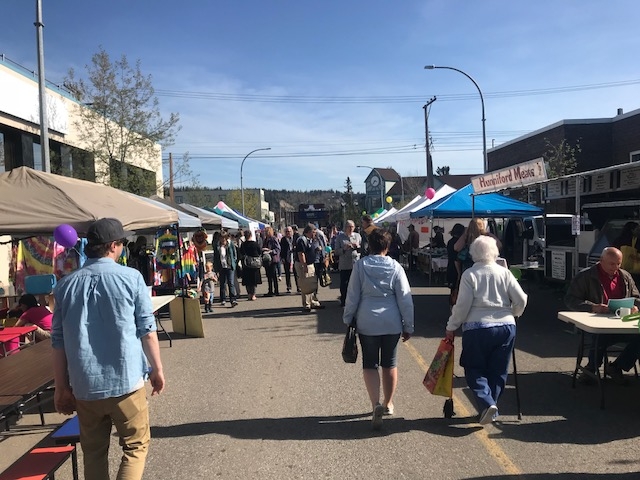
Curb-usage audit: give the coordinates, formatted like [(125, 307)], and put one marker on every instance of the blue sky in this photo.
[(333, 84)]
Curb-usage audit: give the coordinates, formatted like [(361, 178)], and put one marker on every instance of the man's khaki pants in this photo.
[(310, 299), (130, 415)]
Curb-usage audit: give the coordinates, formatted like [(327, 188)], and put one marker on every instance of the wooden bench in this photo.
[(41, 462)]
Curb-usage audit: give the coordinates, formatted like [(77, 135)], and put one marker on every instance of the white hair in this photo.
[(484, 249)]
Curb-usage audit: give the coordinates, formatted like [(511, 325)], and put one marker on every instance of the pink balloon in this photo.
[(65, 235), (429, 193)]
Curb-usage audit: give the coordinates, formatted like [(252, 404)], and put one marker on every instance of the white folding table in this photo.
[(597, 324)]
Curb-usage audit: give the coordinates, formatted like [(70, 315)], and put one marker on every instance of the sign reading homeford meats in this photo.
[(519, 175)]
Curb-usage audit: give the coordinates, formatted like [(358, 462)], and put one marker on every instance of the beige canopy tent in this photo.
[(34, 202)]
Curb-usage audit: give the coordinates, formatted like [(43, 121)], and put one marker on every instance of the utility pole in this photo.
[(427, 143), (42, 87), (171, 178)]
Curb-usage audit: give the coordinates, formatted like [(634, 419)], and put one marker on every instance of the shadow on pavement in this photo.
[(339, 427), (555, 413), (563, 476)]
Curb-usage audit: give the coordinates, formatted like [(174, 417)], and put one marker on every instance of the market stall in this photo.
[(463, 204)]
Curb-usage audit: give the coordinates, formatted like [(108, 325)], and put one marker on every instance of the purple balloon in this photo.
[(65, 235)]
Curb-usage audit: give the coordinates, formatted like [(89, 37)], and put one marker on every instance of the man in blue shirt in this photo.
[(103, 335)]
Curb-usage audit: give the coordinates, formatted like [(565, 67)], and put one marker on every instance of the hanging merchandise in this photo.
[(123, 259), (190, 263), (166, 247), (167, 255), (199, 240), (41, 256)]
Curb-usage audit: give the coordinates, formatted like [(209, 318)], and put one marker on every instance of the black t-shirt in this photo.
[(305, 245)]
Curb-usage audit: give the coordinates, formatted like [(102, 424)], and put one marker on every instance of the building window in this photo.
[(132, 179), (634, 156), (37, 157)]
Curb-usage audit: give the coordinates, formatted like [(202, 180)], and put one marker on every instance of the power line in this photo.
[(242, 97)]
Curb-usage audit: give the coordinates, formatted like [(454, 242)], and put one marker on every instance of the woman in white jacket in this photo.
[(489, 299), (379, 302)]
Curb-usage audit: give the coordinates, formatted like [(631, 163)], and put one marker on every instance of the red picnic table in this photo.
[(11, 337)]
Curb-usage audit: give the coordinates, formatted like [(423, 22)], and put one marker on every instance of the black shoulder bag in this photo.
[(349, 346)]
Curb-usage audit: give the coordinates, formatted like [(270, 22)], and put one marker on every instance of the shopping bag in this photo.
[(439, 378), (349, 346), (630, 257), (307, 282)]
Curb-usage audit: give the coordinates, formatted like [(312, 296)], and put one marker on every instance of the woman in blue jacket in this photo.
[(379, 302)]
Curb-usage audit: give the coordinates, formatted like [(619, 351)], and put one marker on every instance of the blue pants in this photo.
[(227, 276), (486, 353), (379, 350)]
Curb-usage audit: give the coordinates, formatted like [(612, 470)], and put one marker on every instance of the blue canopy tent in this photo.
[(461, 204)]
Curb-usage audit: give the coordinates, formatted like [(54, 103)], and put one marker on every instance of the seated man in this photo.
[(32, 313), (590, 290)]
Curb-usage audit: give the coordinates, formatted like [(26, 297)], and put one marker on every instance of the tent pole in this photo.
[(576, 253)]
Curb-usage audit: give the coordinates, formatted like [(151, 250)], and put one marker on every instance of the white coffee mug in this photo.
[(623, 312)]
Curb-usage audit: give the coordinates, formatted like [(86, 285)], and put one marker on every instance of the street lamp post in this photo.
[(241, 166), (381, 182), (484, 132)]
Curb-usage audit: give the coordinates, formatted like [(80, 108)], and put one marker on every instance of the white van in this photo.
[(541, 232)]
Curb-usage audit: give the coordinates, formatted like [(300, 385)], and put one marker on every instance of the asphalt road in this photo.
[(265, 395)]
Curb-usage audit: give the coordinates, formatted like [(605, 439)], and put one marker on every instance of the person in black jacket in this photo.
[(251, 277), (286, 255)]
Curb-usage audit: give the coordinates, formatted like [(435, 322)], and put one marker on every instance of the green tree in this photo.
[(251, 202), (122, 122), (561, 159), (351, 205)]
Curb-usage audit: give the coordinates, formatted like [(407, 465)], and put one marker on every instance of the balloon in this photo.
[(364, 212), (65, 235), (375, 215), (430, 193), (327, 249), (389, 199)]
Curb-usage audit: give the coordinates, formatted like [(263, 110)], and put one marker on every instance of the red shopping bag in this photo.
[(439, 378)]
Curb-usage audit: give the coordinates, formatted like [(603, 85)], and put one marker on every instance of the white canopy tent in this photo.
[(186, 222), (34, 202), (394, 216), (383, 218), (211, 218), (403, 218)]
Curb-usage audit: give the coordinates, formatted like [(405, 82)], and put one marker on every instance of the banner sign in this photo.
[(516, 176)]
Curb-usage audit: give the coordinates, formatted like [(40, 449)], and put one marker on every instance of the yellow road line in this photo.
[(490, 445)]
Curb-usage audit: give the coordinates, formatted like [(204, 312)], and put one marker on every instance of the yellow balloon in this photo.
[(389, 199)]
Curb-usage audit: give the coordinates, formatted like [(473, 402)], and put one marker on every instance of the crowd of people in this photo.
[(374, 291)]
